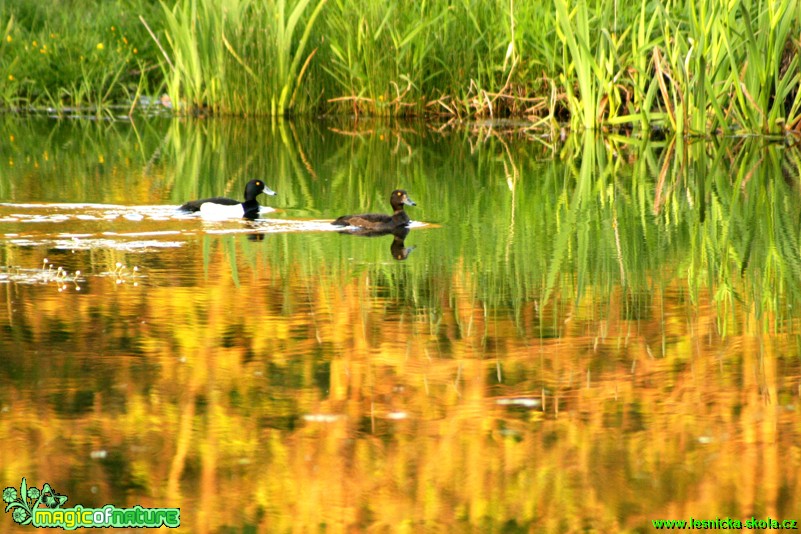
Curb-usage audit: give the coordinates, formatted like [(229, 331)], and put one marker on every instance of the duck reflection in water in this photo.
[(256, 235), (398, 248)]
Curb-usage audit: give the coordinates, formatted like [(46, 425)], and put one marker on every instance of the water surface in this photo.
[(581, 336)]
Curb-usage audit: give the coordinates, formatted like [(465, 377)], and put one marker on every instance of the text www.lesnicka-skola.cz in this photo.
[(725, 523)]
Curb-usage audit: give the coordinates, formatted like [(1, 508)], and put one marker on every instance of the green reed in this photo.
[(691, 67), (235, 56), (399, 59), (773, 75), (575, 35)]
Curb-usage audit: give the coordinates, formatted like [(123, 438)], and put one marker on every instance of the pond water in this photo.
[(581, 336)]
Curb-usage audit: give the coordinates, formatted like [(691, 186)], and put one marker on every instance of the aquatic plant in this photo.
[(47, 274), (122, 274), (234, 56), (691, 67)]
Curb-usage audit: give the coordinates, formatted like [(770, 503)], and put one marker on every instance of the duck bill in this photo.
[(268, 191), (409, 202)]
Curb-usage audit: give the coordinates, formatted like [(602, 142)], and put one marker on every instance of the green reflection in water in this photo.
[(586, 336)]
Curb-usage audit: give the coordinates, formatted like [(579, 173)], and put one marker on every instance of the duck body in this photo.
[(219, 211), (375, 221), (195, 205), (229, 208), (381, 222)]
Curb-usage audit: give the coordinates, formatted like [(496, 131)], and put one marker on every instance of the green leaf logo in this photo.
[(22, 504)]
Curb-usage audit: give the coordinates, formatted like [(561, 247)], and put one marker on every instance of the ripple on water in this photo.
[(89, 228), (277, 226), (125, 246), (60, 212)]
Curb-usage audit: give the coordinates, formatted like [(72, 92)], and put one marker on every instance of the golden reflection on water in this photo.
[(291, 402)]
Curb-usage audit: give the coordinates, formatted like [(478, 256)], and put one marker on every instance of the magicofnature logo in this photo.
[(43, 508)]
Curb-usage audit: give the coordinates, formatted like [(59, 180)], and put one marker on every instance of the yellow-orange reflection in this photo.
[(292, 402)]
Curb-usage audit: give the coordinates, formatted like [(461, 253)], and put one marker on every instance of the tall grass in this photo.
[(695, 68), (235, 56), (771, 72)]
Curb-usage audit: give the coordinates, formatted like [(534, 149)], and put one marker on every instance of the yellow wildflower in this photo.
[(11, 77), (8, 38), (100, 46)]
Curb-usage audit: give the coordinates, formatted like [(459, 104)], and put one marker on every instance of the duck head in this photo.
[(398, 198), (255, 187)]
